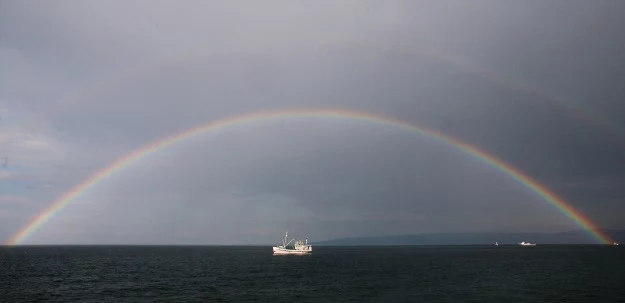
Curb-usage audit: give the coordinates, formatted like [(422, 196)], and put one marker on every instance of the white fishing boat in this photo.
[(527, 244), (616, 244), (496, 244), (299, 247)]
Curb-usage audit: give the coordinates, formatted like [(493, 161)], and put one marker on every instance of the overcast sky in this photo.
[(538, 84)]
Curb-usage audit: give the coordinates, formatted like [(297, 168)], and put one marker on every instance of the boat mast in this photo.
[(284, 241)]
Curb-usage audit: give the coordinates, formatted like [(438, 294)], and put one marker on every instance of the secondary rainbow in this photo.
[(151, 67), (125, 161)]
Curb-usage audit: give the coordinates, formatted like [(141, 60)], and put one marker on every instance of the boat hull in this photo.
[(282, 251)]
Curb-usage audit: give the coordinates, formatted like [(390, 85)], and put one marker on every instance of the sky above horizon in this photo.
[(83, 83)]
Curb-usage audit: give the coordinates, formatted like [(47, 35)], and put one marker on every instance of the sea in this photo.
[(512, 273)]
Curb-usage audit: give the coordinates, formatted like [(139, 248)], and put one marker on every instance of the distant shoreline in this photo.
[(578, 237)]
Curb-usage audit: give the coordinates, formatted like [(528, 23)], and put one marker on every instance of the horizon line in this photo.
[(269, 245)]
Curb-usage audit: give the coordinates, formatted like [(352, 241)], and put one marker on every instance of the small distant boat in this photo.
[(527, 244), (615, 243), (496, 244), (299, 247)]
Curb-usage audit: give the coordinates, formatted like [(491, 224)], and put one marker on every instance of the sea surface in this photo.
[(331, 274)]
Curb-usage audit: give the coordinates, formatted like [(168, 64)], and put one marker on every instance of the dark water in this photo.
[(347, 274)]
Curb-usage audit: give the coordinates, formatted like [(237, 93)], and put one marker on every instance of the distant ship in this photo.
[(615, 243), (527, 244), (299, 247), (496, 244)]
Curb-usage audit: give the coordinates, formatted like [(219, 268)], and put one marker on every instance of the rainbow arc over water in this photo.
[(127, 160)]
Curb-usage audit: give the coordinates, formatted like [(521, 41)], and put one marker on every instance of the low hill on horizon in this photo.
[(570, 237)]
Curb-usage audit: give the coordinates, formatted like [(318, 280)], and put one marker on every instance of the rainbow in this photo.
[(127, 160)]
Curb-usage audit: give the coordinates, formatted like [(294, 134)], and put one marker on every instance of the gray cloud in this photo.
[(83, 83)]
